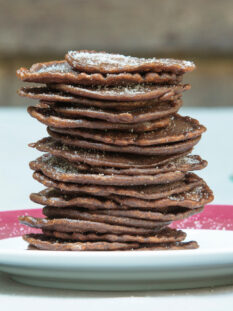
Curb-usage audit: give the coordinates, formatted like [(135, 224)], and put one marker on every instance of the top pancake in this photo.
[(92, 61), (39, 241), (62, 72), (43, 242)]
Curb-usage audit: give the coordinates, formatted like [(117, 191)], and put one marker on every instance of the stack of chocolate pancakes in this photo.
[(117, 165)]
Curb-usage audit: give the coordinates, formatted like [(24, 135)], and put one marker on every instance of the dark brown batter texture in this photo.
[(148, 113), (179, 129), (163, 149), (49, 95), (128, 217), (75, 225), (169, 246), (120, 93), (53, 197), (74, 213), (62, 72), (146, 192), (183, 164), (170, 214), (92, 61), (194, 198), (48, 243), (117, 163), (100, 158), (62, 170), (166, 235), (50, 118)]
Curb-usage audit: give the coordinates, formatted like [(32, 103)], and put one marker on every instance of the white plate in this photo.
[(210, 265)]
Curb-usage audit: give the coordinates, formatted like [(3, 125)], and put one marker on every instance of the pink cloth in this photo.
[(214, 217)]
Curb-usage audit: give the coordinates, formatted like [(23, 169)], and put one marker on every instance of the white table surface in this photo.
[(17, 129)]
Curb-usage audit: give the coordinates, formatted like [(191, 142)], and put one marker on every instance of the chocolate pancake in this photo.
[(62, 170), (50, 118), (121, 216), (53, 197), (168, 246), (53, 244), (163, 149), (183, 164), (74, 225), (46, 94), (62, 72), (99, 158), (194, 198), (146, 192), (135, 92), (92, 61), (39, 241), (165, 235), (155, 112), (74, 213), (171, 214), (179, 129)]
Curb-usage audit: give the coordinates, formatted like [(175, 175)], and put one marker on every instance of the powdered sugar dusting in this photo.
[(191, 160), (59, 165), (132, 90), (52, 67), (195, 194), (108, 61), (197, 222)]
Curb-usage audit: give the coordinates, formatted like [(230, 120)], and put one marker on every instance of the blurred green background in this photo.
[(202, 31)]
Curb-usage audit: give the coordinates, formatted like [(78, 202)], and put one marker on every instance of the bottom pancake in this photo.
[(47, 243), (169, 246)]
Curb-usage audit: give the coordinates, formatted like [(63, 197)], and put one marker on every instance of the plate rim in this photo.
[(119, 254)]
